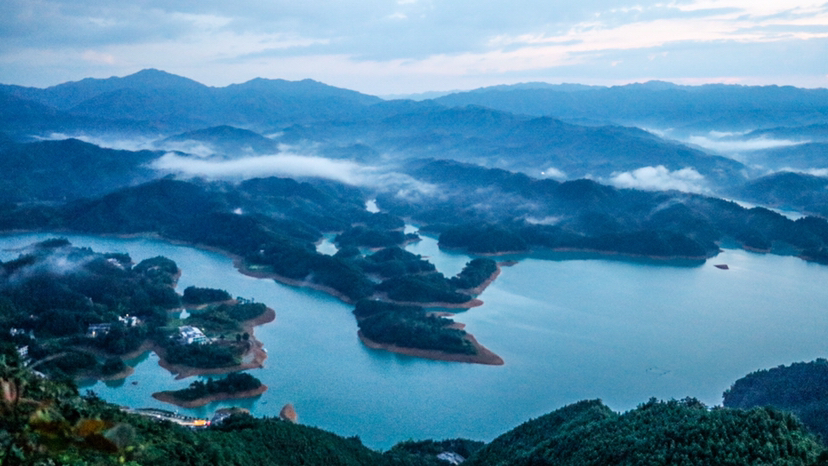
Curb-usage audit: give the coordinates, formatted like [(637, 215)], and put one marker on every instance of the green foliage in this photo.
[(674, 432), (801, 388), (195, 295), (483, 239), (413, 328), (121, 340), (370, 238), (70, 363), (225, 317), (474, 274), (304, 263), (58, 291), (207, 356), (369, 307), (55, 171), (112, 366), (424, 288), (424, 452), (394, 262), (46, 422), (158, 269), (233, 383)]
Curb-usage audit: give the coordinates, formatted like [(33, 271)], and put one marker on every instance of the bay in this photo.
[(619, 330)]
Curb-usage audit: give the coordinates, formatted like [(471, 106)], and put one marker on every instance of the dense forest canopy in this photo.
[(47, 421), (801, 388)]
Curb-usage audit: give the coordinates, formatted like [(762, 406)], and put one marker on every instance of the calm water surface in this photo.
[(621, 331)]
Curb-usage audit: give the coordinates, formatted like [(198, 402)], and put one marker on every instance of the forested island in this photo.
[(233, 386), (78, 313), (413, 331)]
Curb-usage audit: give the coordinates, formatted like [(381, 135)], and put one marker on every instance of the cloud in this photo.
[(551, 220), (553, 173), (821, 172), (660, 179), (722, 143), (267, 165), (108, 141), (59, 261), (423, 45), (295, 166)]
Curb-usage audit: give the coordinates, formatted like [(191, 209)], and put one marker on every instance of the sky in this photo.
[(388, 47)]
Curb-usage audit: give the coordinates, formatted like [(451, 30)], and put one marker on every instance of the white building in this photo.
[(187, 335)]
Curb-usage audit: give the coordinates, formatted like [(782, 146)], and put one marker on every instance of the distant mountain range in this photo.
[(154, 99), (658, 104), (564, 131)]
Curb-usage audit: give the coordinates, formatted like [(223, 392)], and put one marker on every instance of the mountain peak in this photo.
[(157, 78)]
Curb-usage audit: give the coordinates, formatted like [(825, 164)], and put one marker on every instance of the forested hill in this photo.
[(47, 422), (66, 170), (801, 388), (156, 100), (480, 210), (675, 432), (489, 210)]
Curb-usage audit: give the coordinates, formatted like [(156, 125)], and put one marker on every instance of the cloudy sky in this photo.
[(407, 46)]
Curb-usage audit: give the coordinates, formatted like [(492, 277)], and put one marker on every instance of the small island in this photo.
[(236, 385), (217, 337), (412, 331)]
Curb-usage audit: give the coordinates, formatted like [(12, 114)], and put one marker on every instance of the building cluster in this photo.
[(102, 329)]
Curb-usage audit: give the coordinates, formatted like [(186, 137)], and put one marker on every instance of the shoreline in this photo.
[(437, 304), (147, 345), (239, 264), (169, 397), (482, 287), (483, 356), (539, 250), (256, 352)]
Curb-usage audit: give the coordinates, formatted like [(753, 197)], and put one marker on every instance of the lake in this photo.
[(568, 327)]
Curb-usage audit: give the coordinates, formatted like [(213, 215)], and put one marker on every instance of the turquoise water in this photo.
[(622, 331)]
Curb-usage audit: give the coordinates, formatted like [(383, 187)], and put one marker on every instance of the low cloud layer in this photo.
[(108, 141), (294, 166), (661, 179), (723, 143), (821, 172)]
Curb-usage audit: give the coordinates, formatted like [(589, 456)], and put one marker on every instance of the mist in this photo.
[(725, 143), (292, 166), (108, 141), (660, 178)]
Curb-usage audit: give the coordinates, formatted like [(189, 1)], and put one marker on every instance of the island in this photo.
[(412, 331), (236, 385), (73, 312), (217, 337)]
